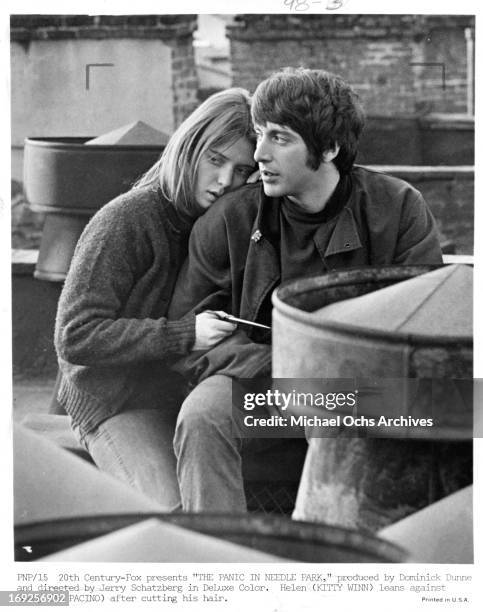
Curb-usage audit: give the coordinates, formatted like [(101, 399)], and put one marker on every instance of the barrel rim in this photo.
[(233, 524), (77, 144), (352, 276), (63, 210)]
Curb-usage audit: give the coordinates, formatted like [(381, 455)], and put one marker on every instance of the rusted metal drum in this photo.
[(66, 173), (365, 482), (273, 535), (69, 181)]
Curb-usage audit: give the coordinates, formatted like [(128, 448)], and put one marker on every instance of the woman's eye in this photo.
[(244, 172), (215, 159)]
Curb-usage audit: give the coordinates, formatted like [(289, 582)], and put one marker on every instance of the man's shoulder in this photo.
[(237, 206), (228, 220), (379, 182)]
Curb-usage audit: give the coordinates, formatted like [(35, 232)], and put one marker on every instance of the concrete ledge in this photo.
[(448, 121), (24, 261), (419, 173), (458, 259)]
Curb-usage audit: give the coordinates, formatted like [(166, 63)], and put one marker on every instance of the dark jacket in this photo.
[(234, 264), (112, 336)]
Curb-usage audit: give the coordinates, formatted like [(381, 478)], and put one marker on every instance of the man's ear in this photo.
[(331, 154)]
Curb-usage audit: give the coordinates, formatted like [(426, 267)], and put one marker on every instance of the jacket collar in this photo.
[(267, 224), (337, 235)]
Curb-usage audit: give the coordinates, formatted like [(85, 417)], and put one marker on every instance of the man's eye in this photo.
[(280, 139)]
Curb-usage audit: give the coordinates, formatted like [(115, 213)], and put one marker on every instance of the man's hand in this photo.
[(210, 329)]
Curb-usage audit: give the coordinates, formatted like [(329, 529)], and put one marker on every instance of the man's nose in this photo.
[(262, 151)]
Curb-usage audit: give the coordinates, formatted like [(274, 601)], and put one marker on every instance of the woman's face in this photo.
[(223, 168)]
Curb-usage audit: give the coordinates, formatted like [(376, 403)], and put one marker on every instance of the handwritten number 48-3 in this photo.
[(304, 5)]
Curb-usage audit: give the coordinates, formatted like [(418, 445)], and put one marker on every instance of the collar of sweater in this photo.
[(180, 221)]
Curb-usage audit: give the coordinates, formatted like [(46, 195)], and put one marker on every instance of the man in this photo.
[(314, 212)]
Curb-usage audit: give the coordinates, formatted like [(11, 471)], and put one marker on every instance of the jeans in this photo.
[(209, 451), (136, 447)]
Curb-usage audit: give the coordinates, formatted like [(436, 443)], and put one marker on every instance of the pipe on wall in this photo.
[(470, 58)]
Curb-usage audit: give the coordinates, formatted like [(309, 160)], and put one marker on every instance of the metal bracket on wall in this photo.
[(89, 66)]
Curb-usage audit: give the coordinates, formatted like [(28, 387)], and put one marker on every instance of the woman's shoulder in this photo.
[(128, 219), (145, 199), (131, 208)]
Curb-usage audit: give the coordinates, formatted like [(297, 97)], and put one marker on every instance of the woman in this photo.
[(112, 337)]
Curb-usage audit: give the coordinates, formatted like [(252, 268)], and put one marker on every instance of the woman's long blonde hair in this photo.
[(219, 121)]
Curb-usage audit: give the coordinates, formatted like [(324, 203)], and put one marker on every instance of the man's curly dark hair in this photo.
[(320, 106)]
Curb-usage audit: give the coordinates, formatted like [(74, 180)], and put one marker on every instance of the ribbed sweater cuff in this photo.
[(85, 411), (180, 335)]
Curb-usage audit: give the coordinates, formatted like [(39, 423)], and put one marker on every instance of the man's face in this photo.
[(282, 157)]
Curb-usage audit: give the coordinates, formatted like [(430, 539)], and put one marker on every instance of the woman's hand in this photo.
[(210, 329)]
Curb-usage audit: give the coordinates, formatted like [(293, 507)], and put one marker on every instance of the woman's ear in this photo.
[(331, 153)]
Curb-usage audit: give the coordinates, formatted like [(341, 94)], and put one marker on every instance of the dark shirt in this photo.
[(299, 255)]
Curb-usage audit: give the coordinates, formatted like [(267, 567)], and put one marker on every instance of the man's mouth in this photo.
[(268, 174)]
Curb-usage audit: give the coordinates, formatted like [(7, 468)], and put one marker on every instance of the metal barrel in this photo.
[(68, 181), (277, 536), (350, 478)]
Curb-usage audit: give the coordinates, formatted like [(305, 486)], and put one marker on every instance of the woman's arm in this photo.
[(205, 279), (123, 270)]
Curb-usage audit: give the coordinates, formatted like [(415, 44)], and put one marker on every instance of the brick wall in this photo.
[(185, 86), (174, 30), (373, 52)]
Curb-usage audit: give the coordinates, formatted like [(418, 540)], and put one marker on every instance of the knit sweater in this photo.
[(111, 335)]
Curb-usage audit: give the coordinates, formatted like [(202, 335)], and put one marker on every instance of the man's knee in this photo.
[(206, 412)]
